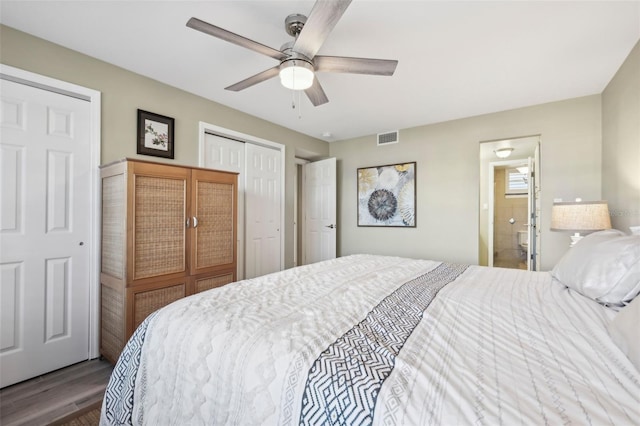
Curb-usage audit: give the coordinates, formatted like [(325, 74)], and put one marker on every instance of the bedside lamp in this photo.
[(580, 216)]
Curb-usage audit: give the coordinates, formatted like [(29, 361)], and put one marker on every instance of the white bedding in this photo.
[(495, 346)]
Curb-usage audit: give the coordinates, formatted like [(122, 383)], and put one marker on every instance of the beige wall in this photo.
[(448, 170), (123, 92), (621, 144), (446, 153)]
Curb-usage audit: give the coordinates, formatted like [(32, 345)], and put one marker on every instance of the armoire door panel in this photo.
[(214, 227), (159, 236), (208, 282), (144, 300)]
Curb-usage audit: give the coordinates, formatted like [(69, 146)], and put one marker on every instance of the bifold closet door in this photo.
[(263, 211), (44, 231)]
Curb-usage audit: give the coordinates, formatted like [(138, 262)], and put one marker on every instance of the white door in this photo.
[(319, 210), (45, 230), (531, 217), (262, 210), (228, 155), (537, 205)]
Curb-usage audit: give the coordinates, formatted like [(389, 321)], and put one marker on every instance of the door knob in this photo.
[(332, 226)]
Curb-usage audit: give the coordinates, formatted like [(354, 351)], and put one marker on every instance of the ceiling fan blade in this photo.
[(234, 38), (315, 93), (255, 79), (323, 17), (355, 65)]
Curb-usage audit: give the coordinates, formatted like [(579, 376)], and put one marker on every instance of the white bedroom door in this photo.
[(536, 207), (531, 217), (320, 226), (262, 210), (45, 200)]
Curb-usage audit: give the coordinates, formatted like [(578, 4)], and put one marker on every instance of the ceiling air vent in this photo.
[(388, 138)]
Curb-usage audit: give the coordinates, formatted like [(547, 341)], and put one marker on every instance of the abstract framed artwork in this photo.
[(387, 195), (155, 134)]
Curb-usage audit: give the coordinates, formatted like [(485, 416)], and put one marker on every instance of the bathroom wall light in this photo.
[(296, 74), (503, 152)]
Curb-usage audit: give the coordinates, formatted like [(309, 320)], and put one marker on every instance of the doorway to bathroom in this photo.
[(509, 203)]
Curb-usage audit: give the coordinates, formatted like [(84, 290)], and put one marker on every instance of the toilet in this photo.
[(523, 240)]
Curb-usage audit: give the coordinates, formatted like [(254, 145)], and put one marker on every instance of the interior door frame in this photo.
[(533, 264), (92, 96), (491, 201), (205, 128)]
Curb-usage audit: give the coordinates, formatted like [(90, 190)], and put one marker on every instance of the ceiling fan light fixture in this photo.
[(296, 74)]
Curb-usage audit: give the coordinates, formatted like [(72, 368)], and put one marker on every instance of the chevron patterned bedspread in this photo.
[(369, 339)]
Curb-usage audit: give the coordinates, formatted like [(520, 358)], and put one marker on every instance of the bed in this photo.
[(368, 339)]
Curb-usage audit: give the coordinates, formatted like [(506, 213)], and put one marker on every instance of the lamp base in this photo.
[(575, 238)]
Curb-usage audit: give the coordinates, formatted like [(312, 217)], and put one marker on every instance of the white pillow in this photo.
[(604, 266), (625, 331)]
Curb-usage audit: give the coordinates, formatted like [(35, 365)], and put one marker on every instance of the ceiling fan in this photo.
[(298, 60)]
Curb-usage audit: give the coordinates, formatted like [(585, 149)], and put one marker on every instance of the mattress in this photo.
[(367, 339)]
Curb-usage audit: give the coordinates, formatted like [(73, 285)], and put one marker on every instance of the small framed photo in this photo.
[(155, 134)]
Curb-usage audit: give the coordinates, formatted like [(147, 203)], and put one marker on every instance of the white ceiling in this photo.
[(456, 59)]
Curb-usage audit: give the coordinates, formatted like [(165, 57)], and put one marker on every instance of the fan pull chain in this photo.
[(299, 104)]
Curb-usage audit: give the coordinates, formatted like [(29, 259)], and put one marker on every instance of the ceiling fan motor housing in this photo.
[(294, 23)]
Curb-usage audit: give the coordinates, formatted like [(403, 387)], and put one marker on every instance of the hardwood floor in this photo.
[(44, 399)]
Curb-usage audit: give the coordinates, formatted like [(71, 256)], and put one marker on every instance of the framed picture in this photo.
[(387, 195), (155, 134)]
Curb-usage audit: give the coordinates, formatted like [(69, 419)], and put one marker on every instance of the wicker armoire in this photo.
[(167, 232)]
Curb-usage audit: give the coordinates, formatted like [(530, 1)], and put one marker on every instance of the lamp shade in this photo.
[(296, 74), (580, 216)]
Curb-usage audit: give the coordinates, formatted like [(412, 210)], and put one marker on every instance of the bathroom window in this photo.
[(516, 183)]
